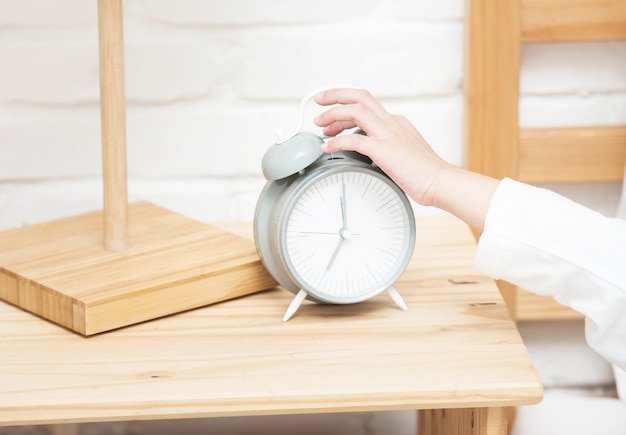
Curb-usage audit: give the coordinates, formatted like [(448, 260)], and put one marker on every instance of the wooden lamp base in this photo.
[(104, 270), (60, 271)]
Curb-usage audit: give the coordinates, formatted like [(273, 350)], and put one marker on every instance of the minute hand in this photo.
[(344, 215)]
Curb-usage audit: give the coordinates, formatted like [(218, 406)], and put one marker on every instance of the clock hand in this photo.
[(344, 216), (345, 234), (335, 252)]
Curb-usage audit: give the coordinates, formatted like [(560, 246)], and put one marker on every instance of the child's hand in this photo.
[(396, 146), (391, 142)]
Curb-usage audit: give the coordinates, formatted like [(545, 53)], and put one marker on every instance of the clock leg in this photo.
[(395, 296), (294, 305)]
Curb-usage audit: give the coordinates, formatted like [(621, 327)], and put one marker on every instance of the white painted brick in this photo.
[(33, 202), (47, 143), (249, 12), (59, 72), (398, 59), (573, 110), (214, 138), (573, 68), (206, 199), (62, 72), (207, 139), (38, 13), (165, 71), (439, 10)]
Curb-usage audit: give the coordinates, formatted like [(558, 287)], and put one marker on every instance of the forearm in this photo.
[(465, 194)]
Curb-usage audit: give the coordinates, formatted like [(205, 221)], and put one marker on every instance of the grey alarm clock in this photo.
[(331, 228)]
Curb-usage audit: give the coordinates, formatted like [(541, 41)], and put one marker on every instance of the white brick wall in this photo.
[(208, 83), (207, 86)]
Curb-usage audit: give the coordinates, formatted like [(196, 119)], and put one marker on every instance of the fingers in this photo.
[(350, 142), (369, 117), (351, 96), (353, 108), (337, 127)]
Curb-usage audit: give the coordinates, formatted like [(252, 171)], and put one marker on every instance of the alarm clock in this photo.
[(331, 228)]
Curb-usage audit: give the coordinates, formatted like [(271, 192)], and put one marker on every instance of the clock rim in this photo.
[(295, 191)]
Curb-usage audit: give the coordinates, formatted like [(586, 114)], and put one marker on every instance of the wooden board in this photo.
[(59, 270), (572, 154), (456, 347), (573, 20)]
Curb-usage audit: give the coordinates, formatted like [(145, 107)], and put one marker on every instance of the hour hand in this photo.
[(335, 252)]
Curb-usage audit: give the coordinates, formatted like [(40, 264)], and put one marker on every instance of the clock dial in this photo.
[(347, 235)]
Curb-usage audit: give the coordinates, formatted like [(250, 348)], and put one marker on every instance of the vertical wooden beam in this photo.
[(467, 421), (113, 119), (492, 61), (509, 294)]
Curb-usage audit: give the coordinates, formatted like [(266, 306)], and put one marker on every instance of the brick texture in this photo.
[(208, 85)]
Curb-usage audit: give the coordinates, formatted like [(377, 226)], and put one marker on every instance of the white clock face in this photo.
[(348, 235)]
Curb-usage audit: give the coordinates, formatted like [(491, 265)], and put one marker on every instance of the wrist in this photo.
[(442, 189), (465, 194)]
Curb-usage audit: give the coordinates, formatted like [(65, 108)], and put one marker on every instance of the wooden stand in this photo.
[(104, 270)]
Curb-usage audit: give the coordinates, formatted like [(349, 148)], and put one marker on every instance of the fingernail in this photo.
[(320, 97)]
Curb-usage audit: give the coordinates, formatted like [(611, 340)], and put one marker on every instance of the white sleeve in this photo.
[(547, 244)]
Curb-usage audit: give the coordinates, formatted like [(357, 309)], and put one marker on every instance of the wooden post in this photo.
[(113, 118), (466, 421)]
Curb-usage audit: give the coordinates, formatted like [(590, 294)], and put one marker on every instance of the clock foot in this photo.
[(294, 305), (397, 298)]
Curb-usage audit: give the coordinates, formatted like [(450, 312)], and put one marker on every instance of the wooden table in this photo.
[(456, 349)]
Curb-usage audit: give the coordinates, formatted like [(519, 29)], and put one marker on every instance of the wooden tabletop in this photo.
[(455, 347)]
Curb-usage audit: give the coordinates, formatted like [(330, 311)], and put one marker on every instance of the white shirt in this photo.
[(549, 245)]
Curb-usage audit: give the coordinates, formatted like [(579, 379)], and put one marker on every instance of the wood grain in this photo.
[(491, 88), (113, 124), (456, 347), (573, 154), (573, 20), (60, 271), (467, 421)]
